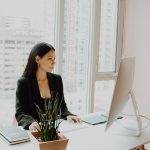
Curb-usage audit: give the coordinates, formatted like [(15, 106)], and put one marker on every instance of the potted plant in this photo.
[(48, 135)]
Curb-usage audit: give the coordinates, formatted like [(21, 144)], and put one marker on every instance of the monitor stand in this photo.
[(126, 127), (137, 114)]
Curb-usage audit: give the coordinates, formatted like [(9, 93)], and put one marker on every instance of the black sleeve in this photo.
[(64, 110), (22, 97)]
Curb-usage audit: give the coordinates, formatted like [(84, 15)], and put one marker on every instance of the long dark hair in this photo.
[(40, 49)]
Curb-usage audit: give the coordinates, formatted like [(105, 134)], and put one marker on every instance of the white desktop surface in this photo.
[(94, 138), (89, 138)]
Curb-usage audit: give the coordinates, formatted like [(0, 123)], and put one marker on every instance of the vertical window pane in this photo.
[(103, 95), (22, 24), (75, 53), (108, 35)]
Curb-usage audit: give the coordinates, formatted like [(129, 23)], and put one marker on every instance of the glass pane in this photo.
[(108, 35), (75, 53), (103, 95), (22, 24)]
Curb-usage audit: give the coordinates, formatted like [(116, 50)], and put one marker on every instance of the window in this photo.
[(78, 49), (84, 33), (108, 54), (22, 24), (76, 53), (108, 36)]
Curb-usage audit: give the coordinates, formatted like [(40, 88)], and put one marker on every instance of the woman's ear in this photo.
[(37, 59)]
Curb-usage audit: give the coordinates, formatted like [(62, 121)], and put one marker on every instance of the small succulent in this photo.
[(49, 120)]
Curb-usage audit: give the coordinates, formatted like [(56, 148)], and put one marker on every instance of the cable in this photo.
[(134, 115), (142, 116), (148, 124)]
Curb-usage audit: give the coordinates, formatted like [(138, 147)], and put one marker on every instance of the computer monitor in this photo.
[(122, 92)]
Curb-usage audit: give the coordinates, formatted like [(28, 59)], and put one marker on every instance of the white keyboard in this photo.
[(65, 126)]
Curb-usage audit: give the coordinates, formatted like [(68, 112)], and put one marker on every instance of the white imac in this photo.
[(122, 93)]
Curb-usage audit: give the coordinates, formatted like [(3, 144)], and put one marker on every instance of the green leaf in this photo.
[(48, 120)]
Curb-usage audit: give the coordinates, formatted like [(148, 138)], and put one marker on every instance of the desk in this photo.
[(90, 138)]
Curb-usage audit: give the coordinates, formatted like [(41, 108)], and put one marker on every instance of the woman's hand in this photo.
[(73, 119), (34, 126)]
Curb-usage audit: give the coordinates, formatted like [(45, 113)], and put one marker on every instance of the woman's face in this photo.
[(47, 62)]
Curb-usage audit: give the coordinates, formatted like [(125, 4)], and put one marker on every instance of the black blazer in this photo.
[(28, 93)]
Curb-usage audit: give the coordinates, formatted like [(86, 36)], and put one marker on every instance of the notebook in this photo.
[(13, 135)]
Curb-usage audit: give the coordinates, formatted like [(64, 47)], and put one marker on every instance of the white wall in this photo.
[(137, 43)]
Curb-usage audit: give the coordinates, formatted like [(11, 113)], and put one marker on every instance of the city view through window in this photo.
[(22, 24)]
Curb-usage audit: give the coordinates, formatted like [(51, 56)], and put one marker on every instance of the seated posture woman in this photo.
[(36, 86)]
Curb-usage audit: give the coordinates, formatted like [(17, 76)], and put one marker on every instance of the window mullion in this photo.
[(105, 76), (59, 31), (94, 46), (121, 9)]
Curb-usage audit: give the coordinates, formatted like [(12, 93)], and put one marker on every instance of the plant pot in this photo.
[(59, 144)]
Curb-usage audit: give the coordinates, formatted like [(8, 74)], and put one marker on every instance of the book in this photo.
[(13, 135)]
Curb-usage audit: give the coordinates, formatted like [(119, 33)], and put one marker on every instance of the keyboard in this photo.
[(97, 119), (65, 126)]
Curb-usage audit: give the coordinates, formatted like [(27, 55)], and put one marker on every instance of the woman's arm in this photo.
[(22, 97)]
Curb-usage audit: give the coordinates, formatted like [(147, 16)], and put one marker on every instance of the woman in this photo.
[(36, 85)]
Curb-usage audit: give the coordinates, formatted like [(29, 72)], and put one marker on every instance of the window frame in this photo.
[(93, 44), (94, 75), (101, 76), (59, 42)]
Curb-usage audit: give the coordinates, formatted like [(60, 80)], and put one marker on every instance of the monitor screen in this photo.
[(122, 89)]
